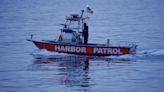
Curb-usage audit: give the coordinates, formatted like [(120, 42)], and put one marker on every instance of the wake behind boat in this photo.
[(71, 41)]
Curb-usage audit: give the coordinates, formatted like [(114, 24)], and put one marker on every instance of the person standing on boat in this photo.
[(85, 33)]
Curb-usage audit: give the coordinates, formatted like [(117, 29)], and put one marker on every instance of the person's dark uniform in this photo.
[(85, 33)]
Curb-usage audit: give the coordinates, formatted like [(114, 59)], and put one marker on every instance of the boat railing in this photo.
[(120, 43), (127, 43)]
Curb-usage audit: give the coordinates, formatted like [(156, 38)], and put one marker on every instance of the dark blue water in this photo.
[(24, 68)]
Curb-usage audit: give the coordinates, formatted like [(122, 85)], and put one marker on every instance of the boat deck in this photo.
[(90, 44)]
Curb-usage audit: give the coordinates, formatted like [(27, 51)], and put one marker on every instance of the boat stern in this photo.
[(133, 49)]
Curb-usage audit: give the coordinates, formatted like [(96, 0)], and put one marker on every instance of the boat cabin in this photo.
[(72, 31), (70, 36)]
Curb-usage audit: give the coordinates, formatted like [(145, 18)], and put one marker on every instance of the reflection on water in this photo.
[(74, 71)]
